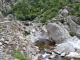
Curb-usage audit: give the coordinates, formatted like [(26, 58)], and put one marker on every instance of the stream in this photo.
[(46, 51)]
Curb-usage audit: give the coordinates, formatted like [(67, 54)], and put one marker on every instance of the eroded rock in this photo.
[(57, 33), (64, 47)]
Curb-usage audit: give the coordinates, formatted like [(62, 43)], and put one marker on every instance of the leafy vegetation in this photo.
[(17, 54), (46, 9), (72, 33), (75, 9), (29, 9)]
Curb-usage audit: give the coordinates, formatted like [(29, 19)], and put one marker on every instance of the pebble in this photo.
[(52, 56), (45, 55), (0, 43), (7, 42), (63, 54), (2, 39), (47, 59), (72, 59)]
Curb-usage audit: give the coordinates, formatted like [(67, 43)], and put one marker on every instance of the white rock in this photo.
[(64, 47), (63, 54), (45, 55), (73, 54), (47, 59), (0, 43), (2, 39), (72, 59), (52, 56)]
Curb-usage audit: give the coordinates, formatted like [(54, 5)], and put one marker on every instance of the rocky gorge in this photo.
[(57, 39), (15, 35)]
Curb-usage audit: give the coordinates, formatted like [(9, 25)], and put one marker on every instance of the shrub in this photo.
[(72, 33), (43, 20), (30, 9), (17, 54), (10, 19), (71, 5)]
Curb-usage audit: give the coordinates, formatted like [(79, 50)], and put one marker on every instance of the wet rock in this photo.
[(57, 33)]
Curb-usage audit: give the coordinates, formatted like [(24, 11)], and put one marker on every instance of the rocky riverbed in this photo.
[(58, 39)]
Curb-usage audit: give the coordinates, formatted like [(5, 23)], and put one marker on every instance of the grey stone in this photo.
[(63, 54), (73, 54), (0, 43), (57, 33), (64, 47)]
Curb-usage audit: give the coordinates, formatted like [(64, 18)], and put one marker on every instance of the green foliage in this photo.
[(43, 20), (30, 9), (4, 13), (72, 33), (17, 54), (75, 9), (47, 9), (10, 19)]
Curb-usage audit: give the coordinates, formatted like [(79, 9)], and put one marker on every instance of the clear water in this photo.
[(51, 47)]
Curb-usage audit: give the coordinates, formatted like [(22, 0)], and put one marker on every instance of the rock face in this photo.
[(73, 26), (37, 32), (1, 17), (4, 56), (76, 1), (12, 38), (64, 12), (57, 33), (6, 5)]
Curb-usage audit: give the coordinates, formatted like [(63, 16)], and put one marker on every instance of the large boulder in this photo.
[(57, 33), (64, 48)]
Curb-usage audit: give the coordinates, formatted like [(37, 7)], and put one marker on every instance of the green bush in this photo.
[(70, 5), (72, 33), (17, 54), (30, 9), (43, 20), (10, 19)]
